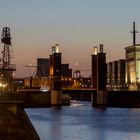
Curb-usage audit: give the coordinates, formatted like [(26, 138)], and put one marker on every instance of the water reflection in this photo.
[(82, 122), (55, 127)]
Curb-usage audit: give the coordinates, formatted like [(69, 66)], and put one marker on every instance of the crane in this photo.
[(6, 68), (35, 73)]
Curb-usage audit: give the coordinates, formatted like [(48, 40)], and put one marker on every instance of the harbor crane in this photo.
[(36, 72), (6, 68)]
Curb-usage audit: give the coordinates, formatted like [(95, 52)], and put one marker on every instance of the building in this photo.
[(43, 67), (66, 71), (36, 83), (109, 73), (116, 74), (132, 54), (66, 76), (121, 72)]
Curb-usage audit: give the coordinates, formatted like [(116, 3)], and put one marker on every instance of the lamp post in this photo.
[(76, 64), (138, 73), (30, 65)]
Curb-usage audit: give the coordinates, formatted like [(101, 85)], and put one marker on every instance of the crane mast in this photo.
[(6, 68), (6, 39)]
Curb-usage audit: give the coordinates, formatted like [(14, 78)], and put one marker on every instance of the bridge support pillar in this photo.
[(56, 97), (99, 98)]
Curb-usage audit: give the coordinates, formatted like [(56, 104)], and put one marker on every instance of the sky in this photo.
[(77, 25)]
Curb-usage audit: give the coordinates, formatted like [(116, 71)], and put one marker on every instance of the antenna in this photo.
[(134, 33)]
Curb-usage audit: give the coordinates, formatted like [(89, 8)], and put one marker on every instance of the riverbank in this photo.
[(14, 122)]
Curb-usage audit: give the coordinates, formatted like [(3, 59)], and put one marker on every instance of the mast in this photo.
[(134, 33)]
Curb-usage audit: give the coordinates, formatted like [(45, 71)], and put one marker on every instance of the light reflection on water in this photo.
[(82, 122)]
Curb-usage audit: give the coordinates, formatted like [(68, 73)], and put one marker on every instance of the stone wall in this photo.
[(14, 122)]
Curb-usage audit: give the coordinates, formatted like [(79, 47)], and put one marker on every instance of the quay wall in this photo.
[(14, 122), (81, 95), (29, 99), (123, 99), (112, 98)]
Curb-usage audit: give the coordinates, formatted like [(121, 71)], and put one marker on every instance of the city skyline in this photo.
[(77, 26)]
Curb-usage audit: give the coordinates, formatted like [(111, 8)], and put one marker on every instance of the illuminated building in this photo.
[(133, 65), (132, 54)]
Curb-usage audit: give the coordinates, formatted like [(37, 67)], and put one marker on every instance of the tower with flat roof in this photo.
[(99, 77), (99, 69), (132, 55), (55, 76)]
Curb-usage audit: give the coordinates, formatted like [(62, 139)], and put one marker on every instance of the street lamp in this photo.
[(76, 64), (30, 65)]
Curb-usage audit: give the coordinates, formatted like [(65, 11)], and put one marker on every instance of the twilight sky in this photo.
[(77, 25)]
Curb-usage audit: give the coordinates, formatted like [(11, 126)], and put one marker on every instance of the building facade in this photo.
[(132, 54), (43, 67), (66, 71), (121, 72), (116, 74), (109, 73)]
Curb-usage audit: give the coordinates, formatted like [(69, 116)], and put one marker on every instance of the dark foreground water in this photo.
[(82, 122)]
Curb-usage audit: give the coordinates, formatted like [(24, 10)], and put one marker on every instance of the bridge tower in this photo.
[(6, 68), (55, 76), (99, 76)]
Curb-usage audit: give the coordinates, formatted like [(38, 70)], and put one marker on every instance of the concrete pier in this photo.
[(14, 122), (56, 97)]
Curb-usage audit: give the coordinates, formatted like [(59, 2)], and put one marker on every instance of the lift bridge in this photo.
[(6, 68)]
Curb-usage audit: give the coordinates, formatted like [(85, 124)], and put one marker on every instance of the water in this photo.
[(82, 122)]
